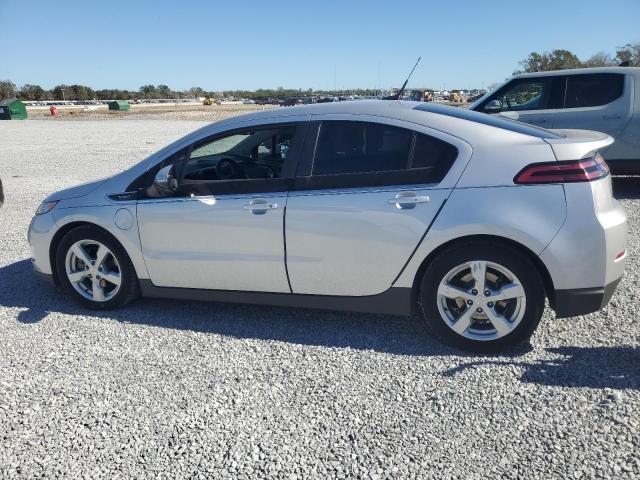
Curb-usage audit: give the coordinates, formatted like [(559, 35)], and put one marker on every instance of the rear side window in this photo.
[(434, 154), (593, 90), (372, 154), (357, 147)]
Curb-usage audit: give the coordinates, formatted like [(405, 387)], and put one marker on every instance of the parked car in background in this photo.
[(602, 99), (374, 206), (291, 101)]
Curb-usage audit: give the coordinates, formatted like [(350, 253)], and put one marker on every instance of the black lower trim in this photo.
[(581, 301), (624, 167), (395, 301)]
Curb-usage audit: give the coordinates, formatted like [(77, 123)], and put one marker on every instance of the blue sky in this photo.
[(296, 44)]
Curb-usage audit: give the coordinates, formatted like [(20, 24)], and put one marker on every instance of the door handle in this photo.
[(408, 200), (259, 206)]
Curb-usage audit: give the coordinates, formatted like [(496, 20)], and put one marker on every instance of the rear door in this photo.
[(599, 101), (364, 197)]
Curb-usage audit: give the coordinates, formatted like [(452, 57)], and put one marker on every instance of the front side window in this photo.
[(526, 95), (243, 155), (593, 90), (252, 160), (530, 94)]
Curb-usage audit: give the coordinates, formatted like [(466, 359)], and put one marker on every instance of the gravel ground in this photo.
[(172, 389), (210, 113)]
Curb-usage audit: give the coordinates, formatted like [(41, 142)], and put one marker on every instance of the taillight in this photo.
[(585, 170)]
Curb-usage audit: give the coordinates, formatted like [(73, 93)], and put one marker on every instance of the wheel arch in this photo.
[(492, 239), (59, 235)]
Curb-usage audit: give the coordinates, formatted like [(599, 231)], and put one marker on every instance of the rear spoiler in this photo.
[(578, 144)]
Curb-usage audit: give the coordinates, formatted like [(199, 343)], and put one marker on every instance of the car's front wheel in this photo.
[(95, 269), (482, 297)]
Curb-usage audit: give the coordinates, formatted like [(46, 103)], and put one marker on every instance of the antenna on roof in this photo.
[(398, 95)]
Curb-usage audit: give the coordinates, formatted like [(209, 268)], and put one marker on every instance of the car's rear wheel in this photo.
[(95, 269), (482, 297)]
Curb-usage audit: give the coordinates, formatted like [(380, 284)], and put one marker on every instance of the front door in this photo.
[(214, 217), (355, 217)]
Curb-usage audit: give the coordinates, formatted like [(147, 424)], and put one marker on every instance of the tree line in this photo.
[(82, 92), (628, 54), (535, 62)]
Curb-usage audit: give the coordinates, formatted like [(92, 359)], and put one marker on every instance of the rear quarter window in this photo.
[(434, 154)]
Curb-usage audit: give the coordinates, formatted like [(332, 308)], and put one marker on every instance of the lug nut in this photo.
[(487, 293), (479, 310), (490, 304), (474, 291), (469, 302)]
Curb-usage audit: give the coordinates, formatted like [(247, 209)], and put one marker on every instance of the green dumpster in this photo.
[(12, 109), (119, 105)]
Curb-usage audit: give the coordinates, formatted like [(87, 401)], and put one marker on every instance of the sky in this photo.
[(296, 44)]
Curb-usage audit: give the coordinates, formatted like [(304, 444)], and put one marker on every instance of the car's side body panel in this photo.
[(583, 254), (623, 156), (528, 215), (214, 242), (108, 217), (354, 248), (354, 242), (496, 167)]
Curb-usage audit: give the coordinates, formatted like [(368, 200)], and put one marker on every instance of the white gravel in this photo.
[(176, 389)]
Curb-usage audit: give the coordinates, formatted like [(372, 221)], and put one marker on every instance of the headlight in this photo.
[(46, 207)]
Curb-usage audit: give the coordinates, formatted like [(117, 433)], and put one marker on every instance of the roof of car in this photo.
[(434, 115), (353, 107), (578, 71)]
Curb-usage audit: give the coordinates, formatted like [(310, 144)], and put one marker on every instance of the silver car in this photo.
[(373, 206)]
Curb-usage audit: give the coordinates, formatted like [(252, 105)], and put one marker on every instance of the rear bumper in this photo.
[(581, 301)]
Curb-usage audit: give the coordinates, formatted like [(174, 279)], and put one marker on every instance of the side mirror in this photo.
[(165, 180), (494, 106)]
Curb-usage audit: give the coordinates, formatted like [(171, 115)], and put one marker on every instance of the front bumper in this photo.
[(581, 301), (39, 236)]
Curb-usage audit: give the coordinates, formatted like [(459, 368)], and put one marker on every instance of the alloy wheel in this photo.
[(93, 270), (481, 300)]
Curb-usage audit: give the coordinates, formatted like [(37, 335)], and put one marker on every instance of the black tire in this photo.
[(502, 254), (129, 286)]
